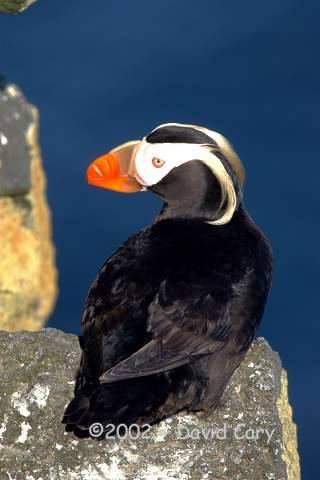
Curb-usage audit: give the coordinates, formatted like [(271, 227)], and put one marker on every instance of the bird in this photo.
[(172, 313)]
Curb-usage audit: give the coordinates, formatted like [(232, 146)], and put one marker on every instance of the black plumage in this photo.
[(173, 311)]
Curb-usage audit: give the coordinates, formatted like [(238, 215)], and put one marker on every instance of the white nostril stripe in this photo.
[(140, 180), (98, 170)]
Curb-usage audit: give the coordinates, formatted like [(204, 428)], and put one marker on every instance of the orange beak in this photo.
[(115, 170)]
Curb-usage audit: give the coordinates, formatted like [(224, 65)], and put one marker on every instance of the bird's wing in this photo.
[(110, 326), (186, 321)]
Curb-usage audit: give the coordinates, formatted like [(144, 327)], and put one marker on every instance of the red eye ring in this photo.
[(157, 162)]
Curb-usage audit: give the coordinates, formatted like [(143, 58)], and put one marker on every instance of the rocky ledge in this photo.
[(249, 437)]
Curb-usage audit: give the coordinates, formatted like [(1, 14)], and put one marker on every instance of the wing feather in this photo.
[(185, 321)]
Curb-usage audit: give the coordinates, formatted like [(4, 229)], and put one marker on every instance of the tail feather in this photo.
[(77, 409), (144, 400), (117, 403)]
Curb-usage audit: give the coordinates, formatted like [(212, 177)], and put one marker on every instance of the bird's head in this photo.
[(194, 170)]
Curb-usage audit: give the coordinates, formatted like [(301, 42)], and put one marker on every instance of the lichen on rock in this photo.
[(28, 275), (14, 6), (250, 436), (289, 430)]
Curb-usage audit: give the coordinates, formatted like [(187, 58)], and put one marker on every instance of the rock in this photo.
[(27, 263), (16, 118), (37, 372), (14, 6)]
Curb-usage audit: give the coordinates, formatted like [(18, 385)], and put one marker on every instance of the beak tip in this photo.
[(89, 176), (104, 172)]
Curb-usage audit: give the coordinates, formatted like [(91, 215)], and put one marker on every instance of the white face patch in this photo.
[(221, 141), (154, 161)]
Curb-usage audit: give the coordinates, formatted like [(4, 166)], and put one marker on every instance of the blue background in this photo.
[(102, 72)]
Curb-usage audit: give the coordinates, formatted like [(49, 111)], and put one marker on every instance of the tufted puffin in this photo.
[(173, 311)]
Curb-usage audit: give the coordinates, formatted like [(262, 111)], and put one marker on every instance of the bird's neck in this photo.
[(186, 210), (190, 191)]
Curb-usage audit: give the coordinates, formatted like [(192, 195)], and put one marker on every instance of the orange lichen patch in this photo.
[(289, 445), (42, 218)]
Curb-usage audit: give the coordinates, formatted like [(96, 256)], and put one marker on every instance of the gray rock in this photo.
[(14, 6), (37, 381), (15, 156)]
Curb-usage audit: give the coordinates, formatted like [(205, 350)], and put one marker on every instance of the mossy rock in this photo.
[(14, 6)]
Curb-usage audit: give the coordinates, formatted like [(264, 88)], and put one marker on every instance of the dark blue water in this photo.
[(102, 72)]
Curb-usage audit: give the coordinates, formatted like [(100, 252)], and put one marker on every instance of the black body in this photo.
[(173, 311), (200, 287)]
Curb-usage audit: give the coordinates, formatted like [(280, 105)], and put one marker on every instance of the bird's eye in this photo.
[(157, 162)]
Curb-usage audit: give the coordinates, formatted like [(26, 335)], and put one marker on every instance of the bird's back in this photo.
[(165, 312)]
